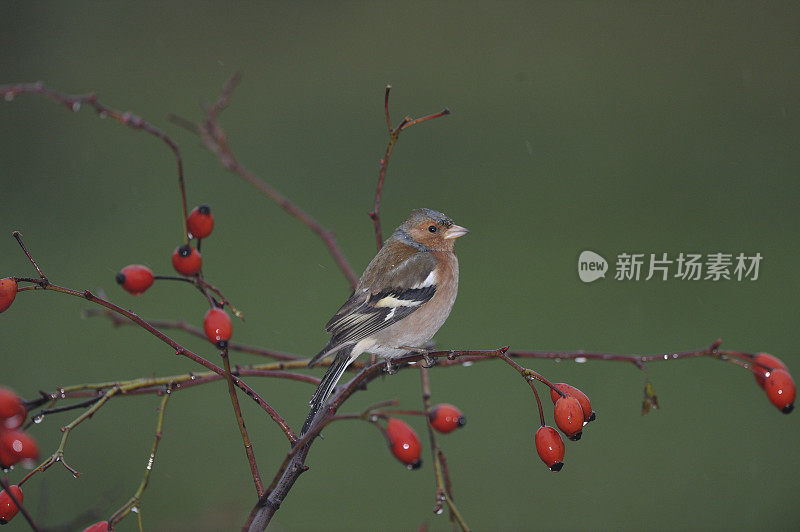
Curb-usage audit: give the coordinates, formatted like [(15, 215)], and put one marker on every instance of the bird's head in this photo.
[(432, 229)]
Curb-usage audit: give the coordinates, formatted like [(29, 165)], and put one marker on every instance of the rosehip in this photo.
[(780, 389), (550, 447), (404, 442), (218, 327), (762, 364), (8, 291), (12, 411), (7, 507), (186, 260), (571, 391), (446, 418), (569, 417), (101, 526), (15, 446), (135, 278), (200, 222)]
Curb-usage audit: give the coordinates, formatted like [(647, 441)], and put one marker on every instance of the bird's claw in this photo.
[(428, 361)]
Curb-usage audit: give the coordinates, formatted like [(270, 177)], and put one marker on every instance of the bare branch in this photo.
[(74, 103), (215, 140)]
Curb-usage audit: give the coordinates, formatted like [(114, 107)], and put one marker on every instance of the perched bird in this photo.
[(401, 300)]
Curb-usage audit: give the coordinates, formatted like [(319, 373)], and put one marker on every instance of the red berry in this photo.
[(571, 391), (780, 389), (7, 507), (762, 364), (569, 417), (15, 446), (186, 260), (200, 222), (135, 278), (446, 418), (404, 442), (218, 327), (12, 411), (550, 447), (101, 526), (8, 291)]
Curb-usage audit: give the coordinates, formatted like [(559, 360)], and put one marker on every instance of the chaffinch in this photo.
[(401, 300)]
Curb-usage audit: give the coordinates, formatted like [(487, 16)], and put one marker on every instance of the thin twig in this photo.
[(18, 237), (183, 325), (394, 135), (248, 445), (637, 360), (213, 137), (74, 103), (58, 455), (444, 492), (135, 500)]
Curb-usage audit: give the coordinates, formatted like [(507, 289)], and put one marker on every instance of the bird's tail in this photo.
[(327, 384)]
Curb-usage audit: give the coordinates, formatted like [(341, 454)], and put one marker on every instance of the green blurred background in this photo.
[(636, 127)]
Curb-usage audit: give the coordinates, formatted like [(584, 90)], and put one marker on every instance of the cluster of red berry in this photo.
[(186, 260), (15, 446), (403, 441), (773, 377), (571, 411)]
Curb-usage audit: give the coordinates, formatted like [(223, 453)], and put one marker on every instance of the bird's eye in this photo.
[(432, 229)]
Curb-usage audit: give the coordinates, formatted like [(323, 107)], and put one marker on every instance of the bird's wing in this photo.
[(392, 296)]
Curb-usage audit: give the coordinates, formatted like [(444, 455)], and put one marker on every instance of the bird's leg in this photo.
[(429, 361), (391, 369)]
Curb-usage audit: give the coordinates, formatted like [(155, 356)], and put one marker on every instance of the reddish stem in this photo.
[(215, 140), (248, 445), (183, 325), (394, 135)]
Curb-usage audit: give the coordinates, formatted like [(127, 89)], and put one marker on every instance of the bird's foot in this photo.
[(429, 361)]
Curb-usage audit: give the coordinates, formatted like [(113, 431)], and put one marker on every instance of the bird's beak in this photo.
[(455, 231)]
